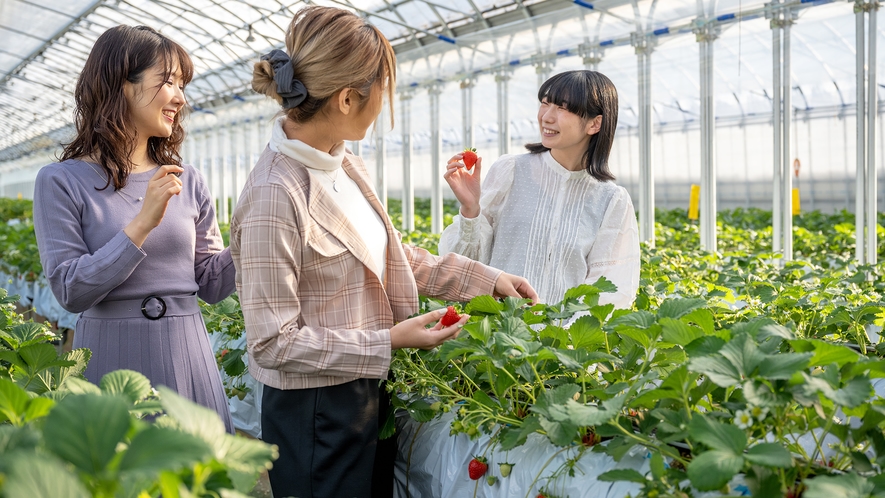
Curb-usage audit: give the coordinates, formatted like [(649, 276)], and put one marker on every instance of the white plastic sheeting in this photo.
[(38, 295), (246, 412), (433, 464)]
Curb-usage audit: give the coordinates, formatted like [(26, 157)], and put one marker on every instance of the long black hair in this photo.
[(587, 94)]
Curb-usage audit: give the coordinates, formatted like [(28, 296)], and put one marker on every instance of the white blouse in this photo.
[(555, 227)]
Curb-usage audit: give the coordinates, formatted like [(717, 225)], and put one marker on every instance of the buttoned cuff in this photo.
[(469, 227)]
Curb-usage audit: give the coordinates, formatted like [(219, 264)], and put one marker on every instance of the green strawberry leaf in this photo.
[(716, 435), (679, 307), (713, 469), (616, 475), (770, 455), (842, 486)]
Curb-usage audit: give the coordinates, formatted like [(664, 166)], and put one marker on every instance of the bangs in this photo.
[(172, 53), (569, 90)]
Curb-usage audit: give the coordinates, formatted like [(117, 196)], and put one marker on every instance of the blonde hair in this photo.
[(331, 49)]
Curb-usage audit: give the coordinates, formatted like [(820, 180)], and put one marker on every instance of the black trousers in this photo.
[(328, 441)]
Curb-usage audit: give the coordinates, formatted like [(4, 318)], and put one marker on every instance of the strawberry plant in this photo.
[(714, 391), (225, 319), (62, 436)]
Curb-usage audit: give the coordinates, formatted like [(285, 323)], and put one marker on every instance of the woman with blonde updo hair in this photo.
[(325, 283)]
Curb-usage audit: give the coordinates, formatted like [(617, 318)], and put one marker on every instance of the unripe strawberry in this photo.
[(505, 469), (491, 480)]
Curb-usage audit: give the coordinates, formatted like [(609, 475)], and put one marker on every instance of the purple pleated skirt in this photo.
[(173, 351)]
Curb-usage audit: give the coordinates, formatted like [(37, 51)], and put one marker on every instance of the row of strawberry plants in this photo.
[(709, 391), (63, 437), (824, 300)]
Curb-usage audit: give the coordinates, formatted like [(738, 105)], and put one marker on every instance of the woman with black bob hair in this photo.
[(126, 232), (554, 215)]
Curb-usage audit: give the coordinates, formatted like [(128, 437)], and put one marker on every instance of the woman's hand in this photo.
[(464, 185), (511, 285), (413, 333), (161, 187)]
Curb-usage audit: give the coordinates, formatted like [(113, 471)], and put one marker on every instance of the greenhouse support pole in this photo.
[(260, 140), (777, 130), (436, 212), (706, 35), (592, 56), (236, 144), (408, 184), (502, 79), (467, 113), (860, 179), (224, 136), (202, 150), (248, 152), (786, 172), (213, 167), (646, 172), (380, 153), (543, 67), (192, 152), (872, 113)]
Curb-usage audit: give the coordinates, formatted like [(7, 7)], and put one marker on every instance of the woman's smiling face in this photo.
[(154, 103), (562, 129)]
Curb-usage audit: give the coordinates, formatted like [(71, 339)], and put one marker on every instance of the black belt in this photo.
[(152, 307)]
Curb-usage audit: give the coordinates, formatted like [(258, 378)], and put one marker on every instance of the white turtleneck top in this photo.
[(326, 169)]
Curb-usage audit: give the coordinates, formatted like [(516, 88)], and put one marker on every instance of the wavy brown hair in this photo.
[(331, 49), (101, 113)]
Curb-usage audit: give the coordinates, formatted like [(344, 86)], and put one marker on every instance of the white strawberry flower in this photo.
[(743, 419), (758, 412)]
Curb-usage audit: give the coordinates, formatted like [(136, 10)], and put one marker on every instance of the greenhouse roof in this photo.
[(46, 43)]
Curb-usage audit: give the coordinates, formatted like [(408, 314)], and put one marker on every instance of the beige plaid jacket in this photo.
[(316, 314)]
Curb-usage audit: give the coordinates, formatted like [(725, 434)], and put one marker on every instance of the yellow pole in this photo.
[(694, 202)]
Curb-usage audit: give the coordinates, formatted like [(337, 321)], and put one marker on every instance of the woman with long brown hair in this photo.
[(325, 283), (127, 234)]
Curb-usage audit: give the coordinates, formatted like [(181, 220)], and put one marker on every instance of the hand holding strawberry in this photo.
[(469, 157), (414, 332), (450, 318), (465, 184)]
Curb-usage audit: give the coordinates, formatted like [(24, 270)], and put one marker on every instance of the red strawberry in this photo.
[(469, 157), (450, 318), (590, 439), (224, 352), (477, 467)]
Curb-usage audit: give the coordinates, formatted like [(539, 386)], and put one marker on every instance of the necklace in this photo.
[(334, 179), (122, 194)]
